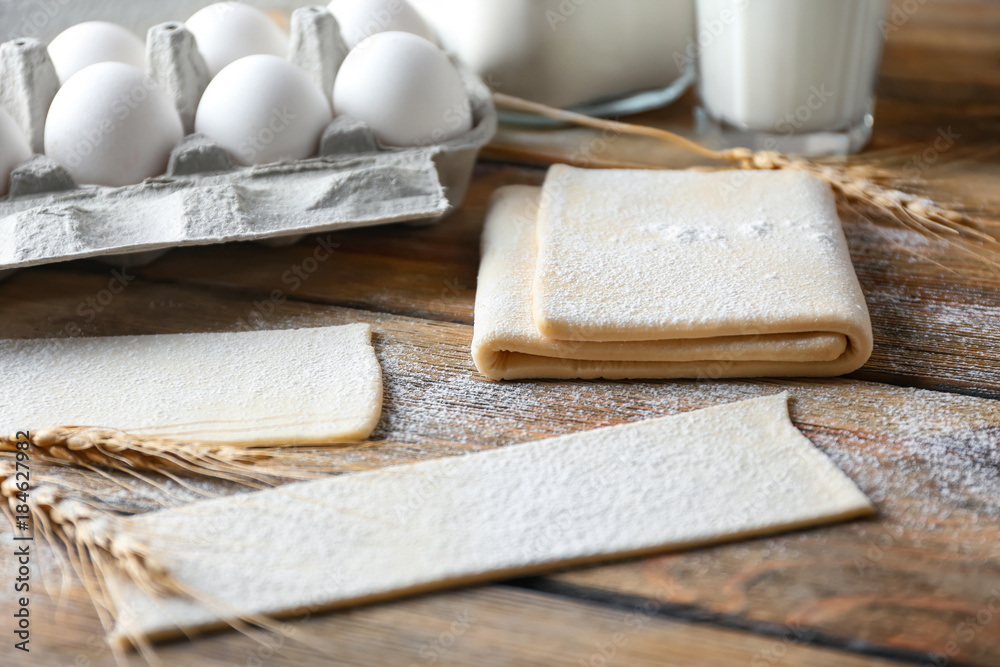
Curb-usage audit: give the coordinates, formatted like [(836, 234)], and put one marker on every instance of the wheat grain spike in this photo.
[(112, 449), (90, 541)]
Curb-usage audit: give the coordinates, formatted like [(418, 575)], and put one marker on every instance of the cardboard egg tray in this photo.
[(203, 198)]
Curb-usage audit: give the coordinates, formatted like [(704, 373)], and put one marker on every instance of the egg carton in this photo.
[(203, 198)]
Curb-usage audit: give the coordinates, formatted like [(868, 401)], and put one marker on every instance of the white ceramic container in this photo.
[(570, 52)]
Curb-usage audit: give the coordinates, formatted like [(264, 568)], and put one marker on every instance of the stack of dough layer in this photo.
[(668, 274), (294, 387)]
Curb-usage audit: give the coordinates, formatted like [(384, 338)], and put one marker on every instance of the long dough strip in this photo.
[(698, 478)]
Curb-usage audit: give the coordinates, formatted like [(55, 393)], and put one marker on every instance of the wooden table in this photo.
[(917, 428)]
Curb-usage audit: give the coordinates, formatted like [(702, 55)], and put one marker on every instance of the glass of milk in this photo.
[(795, 76)]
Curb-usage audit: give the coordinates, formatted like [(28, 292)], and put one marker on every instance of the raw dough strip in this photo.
[(698, 478), (294, 387)]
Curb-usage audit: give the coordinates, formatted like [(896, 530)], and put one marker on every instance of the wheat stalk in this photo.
[(98, 548), (87, 533), (89, 539), (103, 448), (861, 183)]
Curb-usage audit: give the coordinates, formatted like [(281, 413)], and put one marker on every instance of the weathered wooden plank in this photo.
[(929, 459), (491, 626), (936, 314)]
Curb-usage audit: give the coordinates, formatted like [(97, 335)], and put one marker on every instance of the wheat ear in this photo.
[(103, 448), (857, 184), (98, 548), (89, 540)]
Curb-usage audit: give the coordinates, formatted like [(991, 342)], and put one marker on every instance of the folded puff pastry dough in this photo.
[(667, 274), (256, 388)]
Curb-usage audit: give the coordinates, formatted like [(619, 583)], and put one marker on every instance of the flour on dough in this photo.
[(698, 478), (302, 386)]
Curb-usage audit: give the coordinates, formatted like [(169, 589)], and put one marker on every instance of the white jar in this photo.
[(568, 52), (790, 75)]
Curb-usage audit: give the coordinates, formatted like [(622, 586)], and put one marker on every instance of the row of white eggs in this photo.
[(111, 124)]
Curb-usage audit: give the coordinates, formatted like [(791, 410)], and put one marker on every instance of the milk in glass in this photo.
[(790, 75)]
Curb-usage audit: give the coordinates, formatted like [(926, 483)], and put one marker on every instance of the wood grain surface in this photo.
[(918, 427)]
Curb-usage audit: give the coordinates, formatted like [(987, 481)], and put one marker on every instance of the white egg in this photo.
[(405, 89), (228, 31), (360, 19), (264, 109), (14, 148), (95, 42), (111, 124)]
